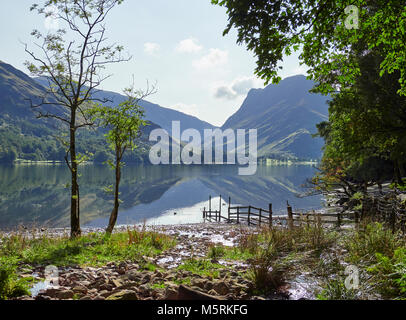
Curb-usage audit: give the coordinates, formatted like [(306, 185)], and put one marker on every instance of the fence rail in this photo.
[(385, 208), (260, 216)]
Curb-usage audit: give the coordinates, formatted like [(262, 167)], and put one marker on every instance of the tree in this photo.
[(124, 123), (356, 52), (8, 156), (101, 156), (72, 60), (368, 119), (325, 31)]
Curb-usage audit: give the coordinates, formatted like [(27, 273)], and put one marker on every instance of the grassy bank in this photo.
[(277, 256), (20, 253), (274, 259)]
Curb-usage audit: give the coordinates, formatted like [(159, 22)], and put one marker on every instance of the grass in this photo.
[(276, 255), (90, 250), (372, 239), (202, 267), (380, 256), (94, 249), (10, 285), (335, 289), (389, 273), (161, 285), (273, 255)]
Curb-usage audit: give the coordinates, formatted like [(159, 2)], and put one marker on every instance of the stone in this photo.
[(65, 294), (51, 292), (213, 292), (221, 288), (171, 294), (106, 286), (200, 283), (186, 293), (105, 293), (144, 288), (127, 285), (80, 289), (123, 295), (86, 298), (116, 282)]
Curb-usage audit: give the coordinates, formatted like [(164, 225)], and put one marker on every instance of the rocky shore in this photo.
[(127, 281)]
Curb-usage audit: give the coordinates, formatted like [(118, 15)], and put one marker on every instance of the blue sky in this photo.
[(178, 44)]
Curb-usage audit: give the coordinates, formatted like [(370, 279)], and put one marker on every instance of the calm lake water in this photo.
[(38, 195)]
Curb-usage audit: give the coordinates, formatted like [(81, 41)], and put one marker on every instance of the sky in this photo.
[(177, 44)]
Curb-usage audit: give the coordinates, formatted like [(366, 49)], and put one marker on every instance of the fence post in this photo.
[(220, 208), (204, 213), (210, 206), (229, 211), (260, 216), (290, 216), (249, 215), (270, 215), (238, 215)]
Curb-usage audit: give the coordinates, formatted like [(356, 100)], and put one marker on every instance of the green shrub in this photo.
[(216, 251), (201, 267), (335, 289), (390, 274), (266, 273), (372, 239), (10, 285)]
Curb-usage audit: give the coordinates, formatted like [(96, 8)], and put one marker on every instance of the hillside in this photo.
[(155, 113), (25, 137), (285, 116)]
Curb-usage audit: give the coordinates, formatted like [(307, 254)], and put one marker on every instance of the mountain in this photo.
[(25, 137), (285, 116), (153, 112)]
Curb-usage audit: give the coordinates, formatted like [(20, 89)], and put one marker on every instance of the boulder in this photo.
[(171, 294), (200, 283), (80, 289), (221, 288), (186, 293), (123, 295), (65, 294)]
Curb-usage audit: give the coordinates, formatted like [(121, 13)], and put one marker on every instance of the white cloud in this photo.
[(151, 48), (189, 45), (214, 58), (238, 87)]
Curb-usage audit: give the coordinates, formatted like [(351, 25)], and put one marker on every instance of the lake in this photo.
[(38, 195)]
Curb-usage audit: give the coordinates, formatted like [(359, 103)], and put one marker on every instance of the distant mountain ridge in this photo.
[(285, 116), (153, 112), (23, 136)]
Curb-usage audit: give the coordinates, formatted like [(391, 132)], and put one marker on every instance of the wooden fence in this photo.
[(385, 208), (255, 216)]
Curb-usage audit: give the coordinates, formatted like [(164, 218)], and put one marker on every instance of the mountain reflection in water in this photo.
[(39, 195)]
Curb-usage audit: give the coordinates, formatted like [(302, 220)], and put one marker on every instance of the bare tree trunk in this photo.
[(75, 221), (114, 212)]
